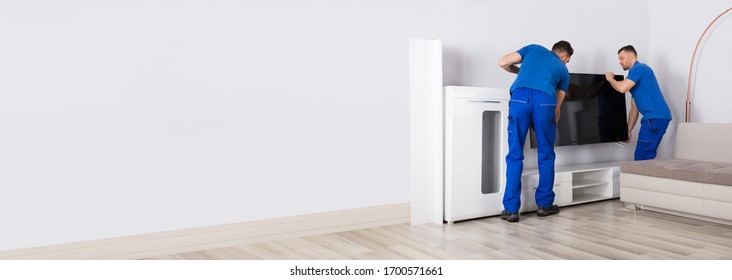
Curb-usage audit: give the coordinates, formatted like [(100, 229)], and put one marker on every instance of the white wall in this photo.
[(674, 29), (142, 116)]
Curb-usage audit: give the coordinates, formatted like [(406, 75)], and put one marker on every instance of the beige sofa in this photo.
[(696, 183)]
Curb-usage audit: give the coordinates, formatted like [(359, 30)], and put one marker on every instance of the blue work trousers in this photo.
[(529, 107), (650, 135)]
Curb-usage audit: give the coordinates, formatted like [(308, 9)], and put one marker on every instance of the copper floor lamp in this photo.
[(691, 67)]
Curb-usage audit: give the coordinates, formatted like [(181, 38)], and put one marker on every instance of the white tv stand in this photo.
[(574, 184)]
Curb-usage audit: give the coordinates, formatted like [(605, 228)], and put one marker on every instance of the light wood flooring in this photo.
[(600, 230)]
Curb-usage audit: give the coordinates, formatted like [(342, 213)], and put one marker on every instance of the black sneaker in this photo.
[(511, 217), (546, 211)]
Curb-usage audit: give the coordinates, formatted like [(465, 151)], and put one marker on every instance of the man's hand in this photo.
[(609, 76), (557, 113), (629, 134)]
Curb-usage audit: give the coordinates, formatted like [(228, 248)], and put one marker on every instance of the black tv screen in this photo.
[(592, 112)]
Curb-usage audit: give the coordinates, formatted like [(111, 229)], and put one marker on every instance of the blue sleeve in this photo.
[(524, 50), (635, 73)]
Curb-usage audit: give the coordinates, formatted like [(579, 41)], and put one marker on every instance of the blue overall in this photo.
[(530, 107), (650, 135)]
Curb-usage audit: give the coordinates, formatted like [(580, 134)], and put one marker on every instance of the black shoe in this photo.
[(511, 217), (546, 211)]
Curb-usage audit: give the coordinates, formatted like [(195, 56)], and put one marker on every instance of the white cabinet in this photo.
[(573, 184), (475, 149)]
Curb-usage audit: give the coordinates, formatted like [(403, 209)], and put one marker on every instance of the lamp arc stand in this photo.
[(691, 66)]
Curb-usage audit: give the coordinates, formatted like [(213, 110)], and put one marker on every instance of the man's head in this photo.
[(627, 56), (564, 50)]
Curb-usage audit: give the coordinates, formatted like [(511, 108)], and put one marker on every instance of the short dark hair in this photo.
[(628, 48), (563, 46)]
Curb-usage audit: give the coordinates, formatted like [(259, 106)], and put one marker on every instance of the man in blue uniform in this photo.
[(536, 96), (647, 99)]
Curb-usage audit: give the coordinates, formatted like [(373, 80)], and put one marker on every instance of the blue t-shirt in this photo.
[(541, 69), (646, 93)]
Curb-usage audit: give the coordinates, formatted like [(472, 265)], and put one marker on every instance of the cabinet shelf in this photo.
[(572, 185), (582, 198), (578, 184)]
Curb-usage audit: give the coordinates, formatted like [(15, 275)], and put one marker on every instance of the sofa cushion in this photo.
[(721, 176), (682, 169), (704, 141)]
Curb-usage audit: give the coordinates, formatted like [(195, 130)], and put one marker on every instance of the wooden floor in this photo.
[(600, 230)]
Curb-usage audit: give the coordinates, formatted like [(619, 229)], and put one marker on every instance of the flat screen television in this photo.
[(592, 112)]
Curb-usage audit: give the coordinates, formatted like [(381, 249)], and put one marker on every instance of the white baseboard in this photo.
[(196, 239)]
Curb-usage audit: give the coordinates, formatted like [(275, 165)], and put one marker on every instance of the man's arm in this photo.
[(560, 98), (508, 62), (632, 118), (621, 86)]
